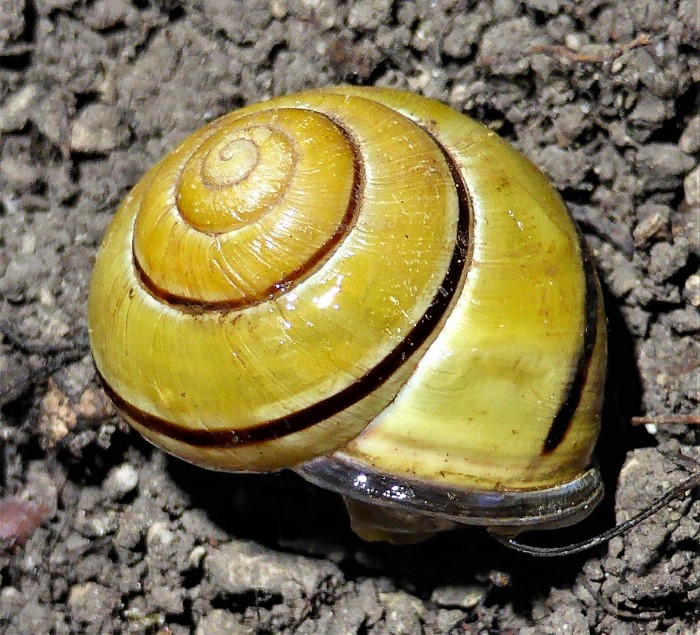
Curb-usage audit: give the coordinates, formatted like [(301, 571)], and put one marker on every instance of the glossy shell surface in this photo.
[(361, 275)]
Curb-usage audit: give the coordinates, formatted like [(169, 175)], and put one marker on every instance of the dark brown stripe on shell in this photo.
[(579, 371), (368, 383), (190, 305)]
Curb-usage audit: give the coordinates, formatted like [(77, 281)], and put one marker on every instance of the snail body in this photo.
[(372, 289)]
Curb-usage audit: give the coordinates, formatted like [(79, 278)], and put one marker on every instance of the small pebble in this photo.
[(691, 290), (667, 258), (546, 6), (97, 129), (690, 139), (158, 534), (663, 160), (15, 113), (369, 14), (196, 556), (653, 220), (404, 612), (691, 185), (649, 110), (466, 597), (121, 480), (686, 320), (91, 601)]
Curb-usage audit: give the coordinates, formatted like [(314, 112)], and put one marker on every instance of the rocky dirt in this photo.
[(602, 95)]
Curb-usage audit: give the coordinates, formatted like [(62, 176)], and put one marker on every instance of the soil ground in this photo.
[(601, 95)]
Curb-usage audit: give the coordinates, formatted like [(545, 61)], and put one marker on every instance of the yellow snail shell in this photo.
[(372, 289)]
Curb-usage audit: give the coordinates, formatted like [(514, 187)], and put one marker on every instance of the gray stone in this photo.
[(14, 113), (237, 567), (636, 319), (92, 602), (663, 164), (654, 220), (20, 174), (460, 38), (97, 129), (691, 187), (121, 480), (650, 111), (685, 320), (571, 122), (369, 14), (34, 617), (167, 600), (691, 289), (107, 14), (566, 618), (551, 7), (690, 139), (403, 614), (564, 167), (498, 43), (452, 596), (667, 258), (159, 537), (623, 278)]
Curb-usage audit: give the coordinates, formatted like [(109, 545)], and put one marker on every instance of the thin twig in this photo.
[(597, 56)]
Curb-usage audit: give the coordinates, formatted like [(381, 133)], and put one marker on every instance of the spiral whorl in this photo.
[(234, 205)]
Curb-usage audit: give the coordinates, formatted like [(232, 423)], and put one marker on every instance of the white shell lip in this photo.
[(548, 508)]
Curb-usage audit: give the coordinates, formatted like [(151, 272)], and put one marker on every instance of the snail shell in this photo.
[(368, 287)]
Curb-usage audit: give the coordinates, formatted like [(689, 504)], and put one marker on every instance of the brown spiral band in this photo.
[(580, 368), (358, 390)]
